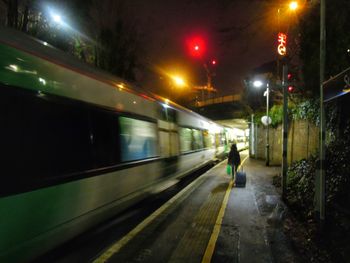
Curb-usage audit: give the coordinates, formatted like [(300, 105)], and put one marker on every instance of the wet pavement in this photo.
[(209, 221), (252, 228)]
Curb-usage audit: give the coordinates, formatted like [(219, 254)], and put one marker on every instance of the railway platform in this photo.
[(212, 221)]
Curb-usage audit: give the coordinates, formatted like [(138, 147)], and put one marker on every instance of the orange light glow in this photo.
[(179, 81), (293, 5)]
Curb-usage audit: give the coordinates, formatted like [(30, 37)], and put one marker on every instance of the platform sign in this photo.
[(282, 44), (337, 86)]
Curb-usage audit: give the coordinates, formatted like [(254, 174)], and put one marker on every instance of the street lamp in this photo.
[(293, 5), (178, 81), (57, 18), (258, 84), (175, 81)]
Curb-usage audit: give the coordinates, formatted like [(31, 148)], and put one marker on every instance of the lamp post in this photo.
[(258, 84), (267, 93), (282, 52)]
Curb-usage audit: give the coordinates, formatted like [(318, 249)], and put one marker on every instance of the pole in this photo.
[(320, 183), (209, 85), (267, 129), (284, 131), (251, 136)]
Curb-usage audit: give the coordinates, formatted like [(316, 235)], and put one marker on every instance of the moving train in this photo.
[(79, 145)]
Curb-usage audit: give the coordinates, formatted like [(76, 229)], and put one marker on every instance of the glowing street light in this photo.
[(293, 5), (257, 83), (179, 81), (57, 18)]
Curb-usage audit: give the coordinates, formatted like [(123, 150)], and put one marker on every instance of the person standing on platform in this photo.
[(234, 160)]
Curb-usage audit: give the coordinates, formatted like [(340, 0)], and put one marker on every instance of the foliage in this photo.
[(300, 185), (338, 168), (102, 33), (306, 110), (276, 114), (118, 49), (301, 177)]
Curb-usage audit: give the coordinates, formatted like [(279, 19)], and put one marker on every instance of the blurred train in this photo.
[(79, 145)]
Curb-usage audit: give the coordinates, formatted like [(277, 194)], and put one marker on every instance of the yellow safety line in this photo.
[(116, 247), (217, 227)]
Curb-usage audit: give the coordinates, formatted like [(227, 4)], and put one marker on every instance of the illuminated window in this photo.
[(208, 140), (185, 139), (138, 139), (197, 139)]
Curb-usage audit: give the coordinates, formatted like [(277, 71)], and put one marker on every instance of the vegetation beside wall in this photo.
[(301, 179), (302, 110)]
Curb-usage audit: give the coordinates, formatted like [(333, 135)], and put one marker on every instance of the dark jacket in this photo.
[(234, 157)]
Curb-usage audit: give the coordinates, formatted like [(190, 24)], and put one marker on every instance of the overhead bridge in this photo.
[(222, 108)]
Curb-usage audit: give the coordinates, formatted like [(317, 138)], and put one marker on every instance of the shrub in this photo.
[(300, 185)]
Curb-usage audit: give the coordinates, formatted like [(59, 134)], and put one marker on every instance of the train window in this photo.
[(185, 139), (104, 138), (220, 139), (171, 115), (223, 138), (10, 135), (167, 114), (138, 139), (162, 113), (208, 140), (197, 139), (40, 138), (55, 138)]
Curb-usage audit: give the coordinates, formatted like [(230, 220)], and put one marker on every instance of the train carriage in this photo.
[(79, 145)]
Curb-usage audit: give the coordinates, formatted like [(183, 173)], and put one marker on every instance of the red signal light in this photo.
[(213, 62), (196, 47), (289, 76), (290, 88)]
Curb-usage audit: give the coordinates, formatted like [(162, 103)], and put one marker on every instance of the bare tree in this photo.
[(12, 12), (117, 37)]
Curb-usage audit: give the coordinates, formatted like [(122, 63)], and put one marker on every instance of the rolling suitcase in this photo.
[(241, 179)]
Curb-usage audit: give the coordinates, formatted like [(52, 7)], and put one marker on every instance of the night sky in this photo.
[(239, 34)]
